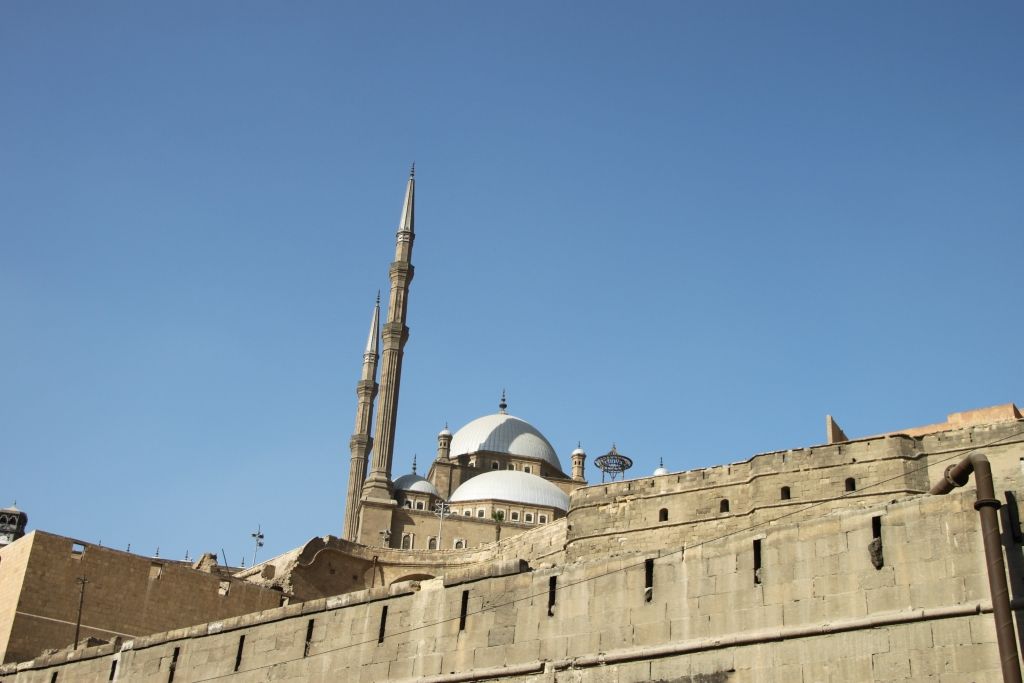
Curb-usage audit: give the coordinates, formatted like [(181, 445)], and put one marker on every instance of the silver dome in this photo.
[(416, 483), (512, 486), (504, 433)]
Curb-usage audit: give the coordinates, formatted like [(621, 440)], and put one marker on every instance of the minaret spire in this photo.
[(395, 334), (361, 442)]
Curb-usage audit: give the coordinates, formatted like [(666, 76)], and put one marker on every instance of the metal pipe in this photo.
[(987, 506)]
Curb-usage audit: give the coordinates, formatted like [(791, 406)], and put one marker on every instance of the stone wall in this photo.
[(820, 607), (126, 595)]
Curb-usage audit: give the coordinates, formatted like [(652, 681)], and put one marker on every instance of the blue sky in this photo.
[(689, 228)]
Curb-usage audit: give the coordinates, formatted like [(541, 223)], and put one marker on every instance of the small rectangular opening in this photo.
[(113, 670), (876, 526), (155, 570), (174, 664), (238, 655), (463, 609), (309, 638), (552, 587), (224, 589), (383, 623), (648, 580), (53, 677), (77, 549), (757, 561)]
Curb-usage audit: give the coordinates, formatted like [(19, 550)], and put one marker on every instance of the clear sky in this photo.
[(689, 228)]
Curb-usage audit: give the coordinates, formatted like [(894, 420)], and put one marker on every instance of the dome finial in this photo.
[(661, 462), (503, 406), (412, 171), (414, 463)]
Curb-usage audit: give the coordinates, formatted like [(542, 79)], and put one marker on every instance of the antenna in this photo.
[(258, 535)]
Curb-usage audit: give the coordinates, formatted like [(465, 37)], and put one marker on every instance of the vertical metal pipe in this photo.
[(987, 506)]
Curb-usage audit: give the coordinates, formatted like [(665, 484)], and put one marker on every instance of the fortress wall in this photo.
[(817, 609), (126, 595)]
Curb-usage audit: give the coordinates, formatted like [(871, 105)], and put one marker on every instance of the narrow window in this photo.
[(785, 493), (53, 677), (851, 484), (224, 589), (527, 469), (406, 542), (757, 561), (408, 505), (663, 515), (875, 547), (648, 580), (238, 655), (174, 665), (724, 505), (155, 570), (309, 638), (383, 623), (113, 670), (462, 610), (432, 543), (552, 587)]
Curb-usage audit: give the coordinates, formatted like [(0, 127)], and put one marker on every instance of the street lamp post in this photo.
[(442, 510)]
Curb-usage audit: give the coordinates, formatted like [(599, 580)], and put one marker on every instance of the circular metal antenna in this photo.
[(613, 463)]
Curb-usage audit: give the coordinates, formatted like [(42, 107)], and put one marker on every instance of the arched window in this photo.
[(480, 512), (510, 466), (724, 505), (529, 517), (494, 465), (432, 543), (784, 493), (663, 515), (467, 513), (406, 542), (527, 469), (515, 516), (459, 544), (408, 505), (419, 504), (543, 519), (851, 484)]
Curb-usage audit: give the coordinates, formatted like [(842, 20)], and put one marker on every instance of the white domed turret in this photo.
[(578, 459), (513, 487), (661, 468), (444, 443)]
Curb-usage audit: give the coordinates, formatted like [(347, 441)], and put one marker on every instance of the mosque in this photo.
[(496, 475)]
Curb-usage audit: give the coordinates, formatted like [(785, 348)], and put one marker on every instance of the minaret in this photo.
[(578, 458), (395, 334), (444, 444), (361, 442)]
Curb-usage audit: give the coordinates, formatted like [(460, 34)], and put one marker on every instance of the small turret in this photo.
[(12, 525), (578, 459), (444, 443)]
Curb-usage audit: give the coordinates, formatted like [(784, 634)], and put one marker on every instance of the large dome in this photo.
[(504, 433), (514, 487)]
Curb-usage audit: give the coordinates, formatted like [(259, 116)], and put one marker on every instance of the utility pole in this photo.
[(81, 581), (442, 510), (258, 535)]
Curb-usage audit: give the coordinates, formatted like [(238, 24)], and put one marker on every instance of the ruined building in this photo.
[(884, 558)]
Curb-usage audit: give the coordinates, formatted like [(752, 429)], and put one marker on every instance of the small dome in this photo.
[(660, 471), (578, 451), (416, 483), (503, 433), (514, 487), (444, 432)]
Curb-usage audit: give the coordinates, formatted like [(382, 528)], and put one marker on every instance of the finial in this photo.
[(412, 171), (504, 404), (661, 462), (414, 463), (579, 444), (378, 297)]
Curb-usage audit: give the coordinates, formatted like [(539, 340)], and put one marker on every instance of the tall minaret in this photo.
[(361, 442), (395, 333)]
